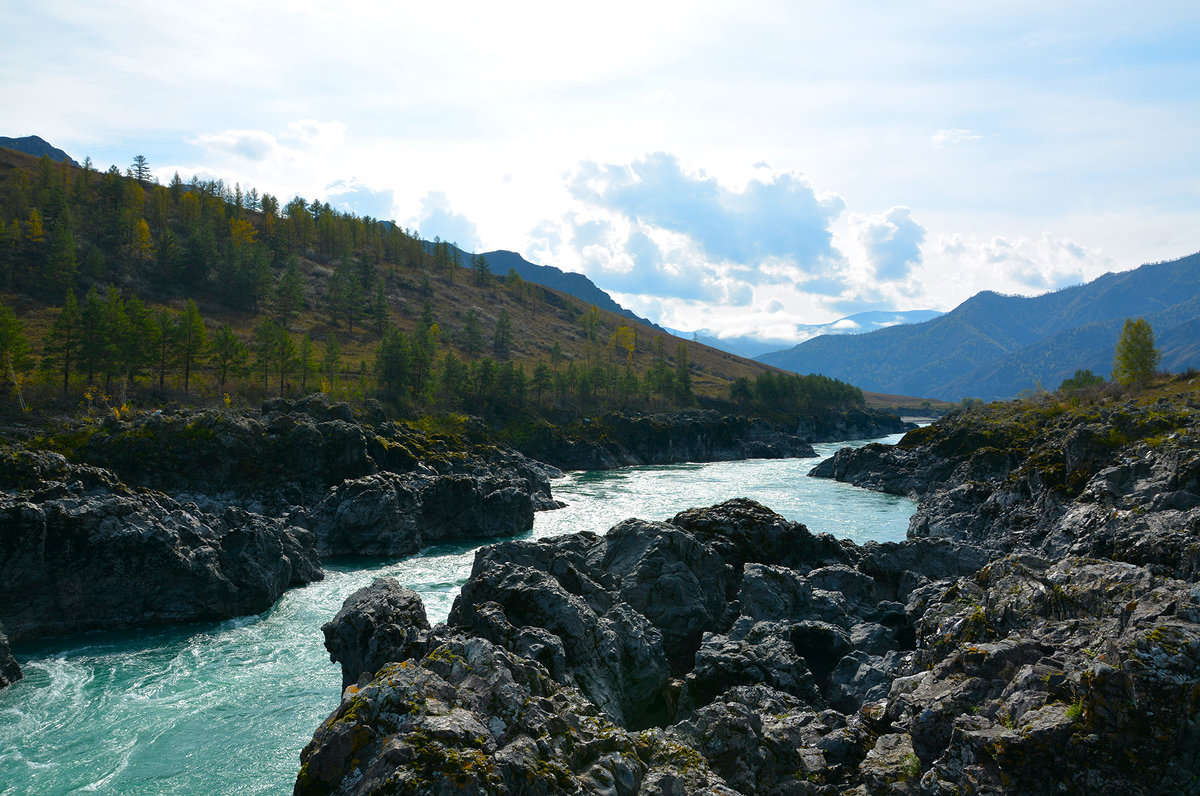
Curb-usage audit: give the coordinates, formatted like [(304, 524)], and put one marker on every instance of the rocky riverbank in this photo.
[(1038, 633), (172, 516), (624, 440), (196, 515)]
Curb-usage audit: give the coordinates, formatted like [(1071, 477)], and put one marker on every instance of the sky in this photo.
[(742, 168)]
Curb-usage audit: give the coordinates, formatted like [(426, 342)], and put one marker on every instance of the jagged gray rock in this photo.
[(85, 552), (10, 670), (377, 624)]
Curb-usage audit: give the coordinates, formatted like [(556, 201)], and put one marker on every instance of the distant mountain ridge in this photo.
[(859, 323), (993, 346), (37, 146), (568, 282)]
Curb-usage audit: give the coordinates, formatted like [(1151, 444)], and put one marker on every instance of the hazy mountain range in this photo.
[(993, 346), (748, 346)]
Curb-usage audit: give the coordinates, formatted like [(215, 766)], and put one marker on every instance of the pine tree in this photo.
[(542, 378), (62, 341), (141, 343), (115, 330), (683, 376), (228, 354), (502, 336), (331, 362), (92, 334), (192, 339), (472, 342), (62, 264), (166, 351), (393, 363), (289, 294), (482, 273), (379, 309), (140, 170)]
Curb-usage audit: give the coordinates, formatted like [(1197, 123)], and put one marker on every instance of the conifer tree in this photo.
[(542, 378), (141, 343), (393, 363), (62, 264), (502, 336), (91, 334), (192, 338), (482, 273), (331, 362), (379, 308), (304, 362), (683, 377), (289, 293), (472, 342), (62, 341), (228, 354), (168, 337)]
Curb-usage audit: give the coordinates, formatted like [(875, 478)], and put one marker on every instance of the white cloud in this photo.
[(892, 242), (953, 136)]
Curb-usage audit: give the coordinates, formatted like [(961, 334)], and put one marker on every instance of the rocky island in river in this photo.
[(1039, 632)]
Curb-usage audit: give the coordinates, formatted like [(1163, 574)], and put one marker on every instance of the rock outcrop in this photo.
[(622, 439), (660, 628), (1117, 479), (81, 551), (1039, 633), (10, 670)]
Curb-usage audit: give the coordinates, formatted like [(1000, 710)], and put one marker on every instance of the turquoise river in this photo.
[(226, 708)]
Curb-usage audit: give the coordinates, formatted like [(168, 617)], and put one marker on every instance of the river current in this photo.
[(225, 708)]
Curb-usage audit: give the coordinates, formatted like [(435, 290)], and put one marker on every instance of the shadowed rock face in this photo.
[(86, 553), (1040, 634), (620, 440), (10, 671), (258, 497)]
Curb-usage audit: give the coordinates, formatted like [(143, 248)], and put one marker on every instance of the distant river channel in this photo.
[(226, 708)]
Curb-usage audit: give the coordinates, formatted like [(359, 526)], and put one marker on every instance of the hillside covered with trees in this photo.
[(119, 290)]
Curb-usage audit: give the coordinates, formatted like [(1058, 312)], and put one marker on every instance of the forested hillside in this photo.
[(119, 288)]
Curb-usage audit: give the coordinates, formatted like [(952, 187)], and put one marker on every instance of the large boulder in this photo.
[(378, 624)]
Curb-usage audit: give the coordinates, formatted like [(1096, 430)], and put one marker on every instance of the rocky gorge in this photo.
[(1039, 632), (129, 519)]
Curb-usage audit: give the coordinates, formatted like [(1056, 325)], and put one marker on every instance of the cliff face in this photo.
[(1038, 633), (211, 514)]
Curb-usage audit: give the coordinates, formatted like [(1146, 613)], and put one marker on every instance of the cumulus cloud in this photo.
[(955, 135), (780, 217), (438, 219), (892, 242), (1045, 263), (654, 230)]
